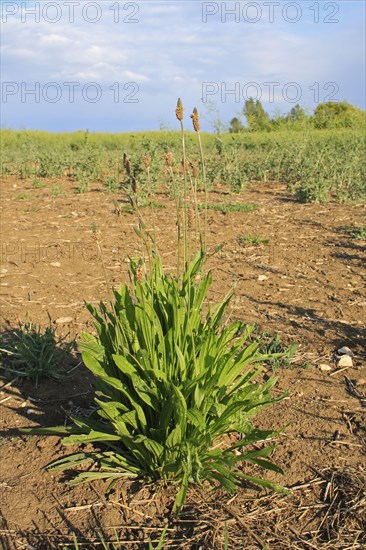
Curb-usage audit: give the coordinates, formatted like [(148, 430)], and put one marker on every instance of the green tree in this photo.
[(278, 121), (257, 118), (236, 126), (338, 115), (297, 114)]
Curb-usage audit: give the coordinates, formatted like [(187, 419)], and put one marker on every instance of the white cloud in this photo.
[(54, 39)]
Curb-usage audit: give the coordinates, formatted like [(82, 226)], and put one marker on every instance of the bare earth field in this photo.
[(307, 283)]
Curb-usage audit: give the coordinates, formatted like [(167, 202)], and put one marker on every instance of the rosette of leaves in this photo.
[(170, 382)]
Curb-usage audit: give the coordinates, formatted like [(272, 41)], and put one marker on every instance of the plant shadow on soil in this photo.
[(34, 538), (345, 332), (355, 253), (53, 537)]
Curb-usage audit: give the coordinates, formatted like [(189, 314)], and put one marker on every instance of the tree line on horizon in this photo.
[(326, 116)]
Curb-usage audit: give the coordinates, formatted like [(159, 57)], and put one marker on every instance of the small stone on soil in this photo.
[(345, 361), (325, 368), (64, 320), (55, 264), (345, 351)]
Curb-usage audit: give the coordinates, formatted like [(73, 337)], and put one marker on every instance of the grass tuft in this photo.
[(35, 353), (251, 239), (227, 208)]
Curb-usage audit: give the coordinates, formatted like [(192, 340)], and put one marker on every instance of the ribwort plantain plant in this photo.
[(172, 382)]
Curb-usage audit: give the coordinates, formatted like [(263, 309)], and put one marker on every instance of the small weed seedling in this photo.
[(37, 183), (230, 207), (35, 353), (56, 191), (358, 233), (23, 196), (251, 239), (279, 355), (111, 184)]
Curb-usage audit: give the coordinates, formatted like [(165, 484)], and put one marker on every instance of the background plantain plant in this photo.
[(35, 353)]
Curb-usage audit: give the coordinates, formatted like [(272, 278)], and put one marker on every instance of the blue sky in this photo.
[(120, 66)]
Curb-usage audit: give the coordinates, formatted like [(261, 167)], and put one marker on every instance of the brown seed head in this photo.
[(169, 158), (139, 274), (179, 110), (147, 161), (127, 164), (195, 120), (179, 216), (134, 186), (195, 172)]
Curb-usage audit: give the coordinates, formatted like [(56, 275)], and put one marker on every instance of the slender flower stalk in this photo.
[(95, 237), (192, 225), (147, 165), (169, 161), (196, 127), (179, 114), (127, 166)]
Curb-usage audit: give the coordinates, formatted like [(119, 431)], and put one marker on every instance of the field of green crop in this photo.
[(316, 165)]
